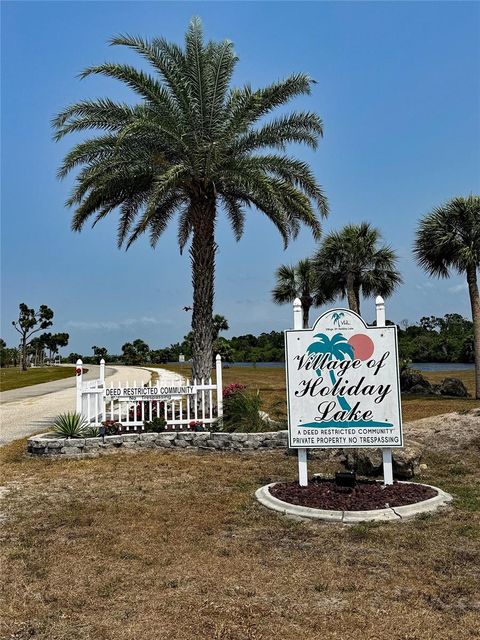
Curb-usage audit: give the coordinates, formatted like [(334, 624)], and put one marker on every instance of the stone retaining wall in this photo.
[(48, 445)]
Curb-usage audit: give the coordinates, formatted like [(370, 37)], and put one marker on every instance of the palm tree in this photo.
[(298, 282), (193, 147), (350, 262), (449, 238)]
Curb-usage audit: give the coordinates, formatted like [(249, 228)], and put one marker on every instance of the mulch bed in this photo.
[(325, 494)]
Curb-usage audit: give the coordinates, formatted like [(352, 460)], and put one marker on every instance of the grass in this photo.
[(173, 546), (16, 378), (271, 384)]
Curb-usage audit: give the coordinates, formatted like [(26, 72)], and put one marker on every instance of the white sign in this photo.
[(343, 387), (148, 393)]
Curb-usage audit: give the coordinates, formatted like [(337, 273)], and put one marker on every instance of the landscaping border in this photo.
[(392, 514), (49, 445)]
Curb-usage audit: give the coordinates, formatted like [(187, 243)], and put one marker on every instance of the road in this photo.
[(30, 410)]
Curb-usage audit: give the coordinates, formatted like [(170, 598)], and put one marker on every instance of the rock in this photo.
[(410, 378), (181, 442), (420, 390), (369, 462), (453, 387), (366, 462), (74, 442), (406, 461)]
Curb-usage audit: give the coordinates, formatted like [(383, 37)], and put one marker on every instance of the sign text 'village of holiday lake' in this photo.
[(343, 386)]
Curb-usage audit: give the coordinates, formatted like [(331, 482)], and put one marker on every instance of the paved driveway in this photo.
[(32, 409)]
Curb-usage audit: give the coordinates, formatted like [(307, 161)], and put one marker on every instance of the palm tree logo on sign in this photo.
[(336, 317), (338, 348)]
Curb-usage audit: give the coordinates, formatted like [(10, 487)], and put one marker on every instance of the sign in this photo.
[(343, 387), (134, 394)]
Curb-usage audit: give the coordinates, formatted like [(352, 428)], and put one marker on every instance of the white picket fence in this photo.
[(199, 401)]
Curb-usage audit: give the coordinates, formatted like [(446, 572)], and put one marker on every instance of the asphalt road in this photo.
[(30, 410)]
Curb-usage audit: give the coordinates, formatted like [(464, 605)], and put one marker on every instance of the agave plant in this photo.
[(91, 432), (70, 425)]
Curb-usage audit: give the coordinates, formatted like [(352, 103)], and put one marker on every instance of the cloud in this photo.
[(114, 325), (426, 285), (458, 288)]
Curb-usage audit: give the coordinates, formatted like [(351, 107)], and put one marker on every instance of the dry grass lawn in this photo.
[(271, 384), (173, 546)]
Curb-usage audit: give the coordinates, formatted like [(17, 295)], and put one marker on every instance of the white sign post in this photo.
[(343, 388)]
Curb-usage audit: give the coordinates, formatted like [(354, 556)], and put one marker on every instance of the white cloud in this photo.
[(458, 288), (113, 325)]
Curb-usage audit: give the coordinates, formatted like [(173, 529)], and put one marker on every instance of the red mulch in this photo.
[(325, 494)]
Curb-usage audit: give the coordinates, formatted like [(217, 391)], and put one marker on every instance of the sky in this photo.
[(397, 87)]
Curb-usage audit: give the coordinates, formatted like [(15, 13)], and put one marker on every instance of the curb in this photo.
[(392, 514)]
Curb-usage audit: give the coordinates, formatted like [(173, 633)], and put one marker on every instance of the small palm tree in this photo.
[(449, 238), (298, 282), (350, 262), (192, 148)]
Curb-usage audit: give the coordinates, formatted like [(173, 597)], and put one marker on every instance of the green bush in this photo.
[(157, 425), (92, 432), (241, 413), (70, 425)]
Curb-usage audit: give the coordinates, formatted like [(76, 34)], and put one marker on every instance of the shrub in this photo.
[(70, 425), (233, 388), (241, 412), (196, 425), (157, 425), (92, 432), (112, 427)]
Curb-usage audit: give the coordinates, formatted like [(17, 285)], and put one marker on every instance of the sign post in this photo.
[(302, 451), (343, 388), (386, 453)]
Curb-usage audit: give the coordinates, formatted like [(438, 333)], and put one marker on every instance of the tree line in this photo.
[(433, 339)]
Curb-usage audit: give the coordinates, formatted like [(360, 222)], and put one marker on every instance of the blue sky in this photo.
[(398, 89)]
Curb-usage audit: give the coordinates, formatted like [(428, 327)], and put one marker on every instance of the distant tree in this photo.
[(136, 352), (222, 347), (30, 322), (36, 349), (351, 262), (298, 282), (100, 352), (59, 340), (3, 352), (73, 357), (53, 342), (193, 147), (220, 323), (161, 356), (448, 238)]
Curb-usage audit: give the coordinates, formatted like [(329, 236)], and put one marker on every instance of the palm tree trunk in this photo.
[(357, 299), (352, 296), (306, 306), (475, 304), (202, 255)]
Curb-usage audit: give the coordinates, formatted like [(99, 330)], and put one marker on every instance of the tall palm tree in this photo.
[(298, 282), (191, 148), (350, 262), (449, 238)]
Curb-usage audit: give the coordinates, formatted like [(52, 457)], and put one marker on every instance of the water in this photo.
[(421, 366)]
